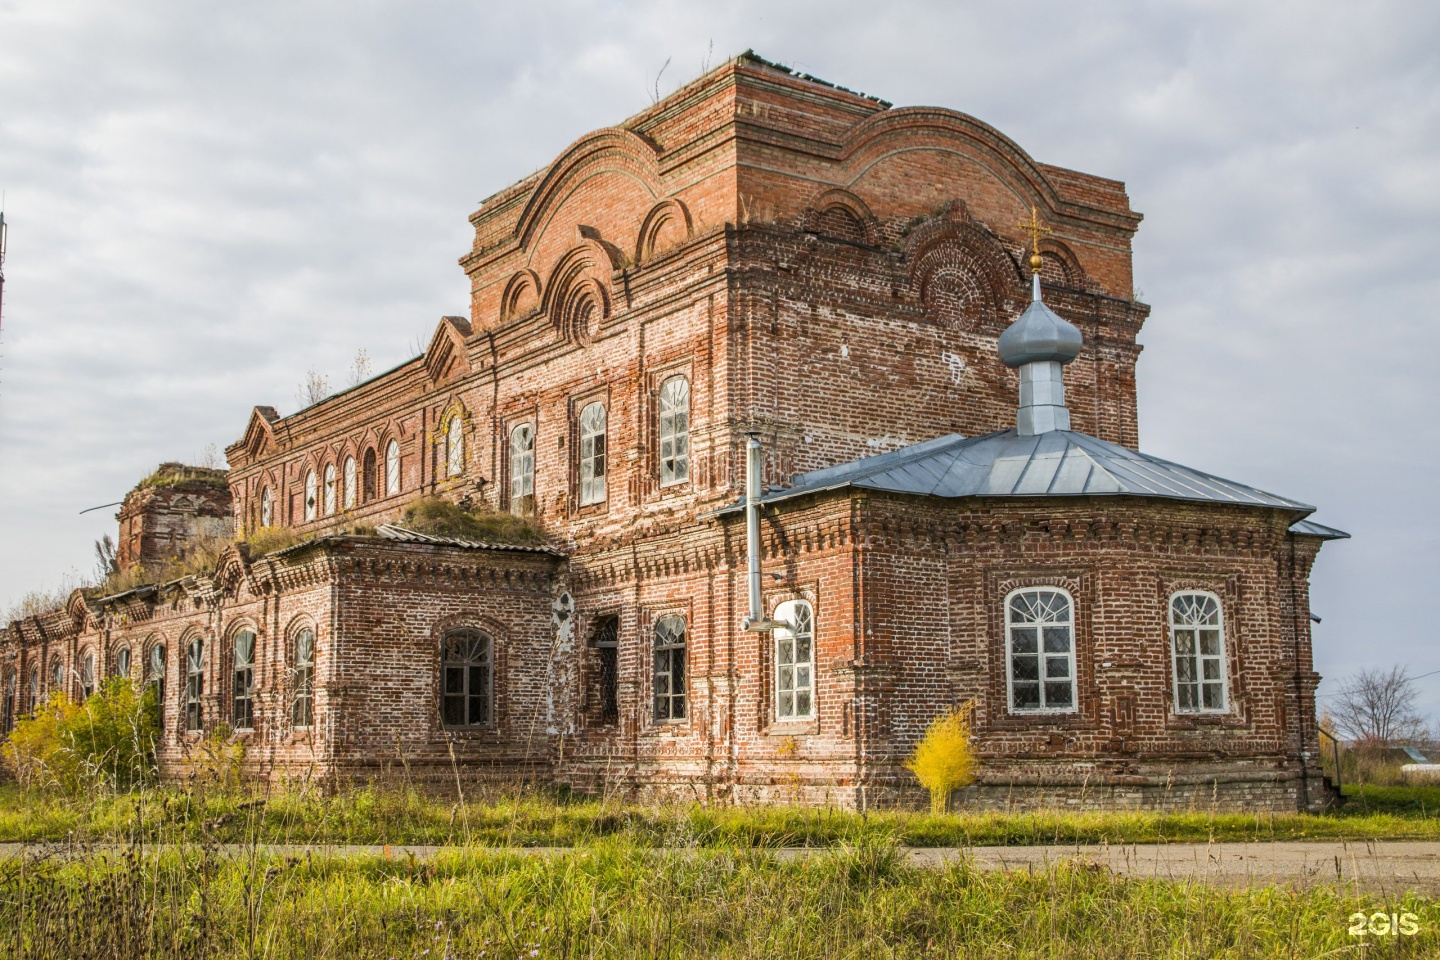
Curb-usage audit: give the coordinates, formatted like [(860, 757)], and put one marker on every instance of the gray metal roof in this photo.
[(1059, 463), (390, 531), (1312, 529)]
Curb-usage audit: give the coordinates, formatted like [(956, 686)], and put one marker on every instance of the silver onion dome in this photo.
[(1039, 336)]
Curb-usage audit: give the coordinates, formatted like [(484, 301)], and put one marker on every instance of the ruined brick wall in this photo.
[(176, 505)]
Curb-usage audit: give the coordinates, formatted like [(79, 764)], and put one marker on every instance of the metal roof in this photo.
[(1058, 463), (1312, 529), (390, 531)]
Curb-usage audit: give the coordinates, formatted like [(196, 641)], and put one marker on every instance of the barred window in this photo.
[(312, 503), (468, 675), (195, 686), (242, 687), (122, 662), (87, 675), (605, 641), (267, 512), (670, 668), (1198, 647), (592, 454), (329, 489), (455, 447), (795, 662), (1040, 628), (302, 679), (674, 431), (522, 470), (392, 468), (349, 480)]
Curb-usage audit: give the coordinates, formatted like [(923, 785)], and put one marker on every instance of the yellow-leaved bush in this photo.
[(107, 741), (944, 760)]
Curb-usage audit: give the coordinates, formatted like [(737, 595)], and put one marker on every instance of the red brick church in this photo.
[(912, 345)]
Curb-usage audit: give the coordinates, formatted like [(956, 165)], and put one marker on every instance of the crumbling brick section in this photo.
[(166, 511)]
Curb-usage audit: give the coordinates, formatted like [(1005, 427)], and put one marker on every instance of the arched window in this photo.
[(267, 512), (87, 675), (392, 468), (1040, 632), (674, 431), (592, 454), (312, 503), (670, 668), (522, 470), (455, 447), (329, 489), (9, 705), (195, 685), (155, 677), (795, 662), (349, 475), (57, 677), (605, 640), (1197, 642), (122, 662), (242, 688), (302, 680), (32, 694), (369, 475), (468, 676)]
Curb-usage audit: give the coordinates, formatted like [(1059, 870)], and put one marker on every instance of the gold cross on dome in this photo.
[(1036, 229)]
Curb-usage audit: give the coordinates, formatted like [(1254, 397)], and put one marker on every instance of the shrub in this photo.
[(109, 740), (441, 518), (269, 539), (943, 760)]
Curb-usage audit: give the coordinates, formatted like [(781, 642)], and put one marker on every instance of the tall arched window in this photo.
[(368, 475), (155, 677), (468, 677), (349, 479), (795, 662), (392, 468), (674, 431), (195, 685), (267, 512), (1040, 632), (592, 454), (87, 675), (312, 499), (1197, 639), (57, 677), (242, 688), (522, 470), (329, 489), (302, 679), (122, 662), (32, 694), (670, 668), (11, 698), (455, 447)]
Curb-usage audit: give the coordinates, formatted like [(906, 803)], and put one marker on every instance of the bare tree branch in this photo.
[(1378, 706)]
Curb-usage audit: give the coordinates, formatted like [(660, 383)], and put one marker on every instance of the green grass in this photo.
[(548, 818), (616, 900)]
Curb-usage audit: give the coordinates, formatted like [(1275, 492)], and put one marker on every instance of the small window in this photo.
[(795, 662), (674, 431), (242, 711), (468, 675), (1040, 630), (605, 641), (195, 686), (267, 512), (369, 475), (670, 668), (455, 447), (392, 468), (155, 677), (87, 675), (592, 454), (522, 470), (349, 480), (312, 503), (122, 662), (1198, 646), (302, 680), (329, 489)]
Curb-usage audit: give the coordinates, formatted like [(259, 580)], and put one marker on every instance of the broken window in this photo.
[(349, 481), (466, 677), (312, 503), (267, 512), (195, 686), (156, 678), (795, 662), (592, 454), (57, 677), (32, 693), (302, 680), (392, 468), (1040, 631), (455, 447), (1198, 647), (522, 470), (329, 489), (674, 431), (369, 475), (242, 708), (7, 708), (605, 683), (87, 675), (122, 662), (670, 668)]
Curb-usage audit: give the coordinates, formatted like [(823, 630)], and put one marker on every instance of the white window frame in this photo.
[(195, 686), (1041, 657), (392, 468), (348, 479), (122, 662), (302, 679), (1198, 659), (672, 407), (267, 509), (594, 427), (522, 468), (329, 489), (795, 661), (455, 446), (312, 496), (87, 675), (666, 643)]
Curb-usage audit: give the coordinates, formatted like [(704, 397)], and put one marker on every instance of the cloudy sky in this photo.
[(207, 200)]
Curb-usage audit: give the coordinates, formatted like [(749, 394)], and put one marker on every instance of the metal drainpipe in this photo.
[(755, 622)]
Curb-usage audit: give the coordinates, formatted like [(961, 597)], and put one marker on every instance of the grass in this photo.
[(617, 900), (441, 518), (370, 815)]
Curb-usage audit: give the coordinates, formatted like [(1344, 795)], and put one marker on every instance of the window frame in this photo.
[(350, 495), (605, 644), (1040, 655), (302, 679), (124, 661), (676, 436), (393, 481), (267, 508), (57, 676), (522, 504), (328, 487), (784, 612), (1199, 658), (669, 649), (195, 685), (87, 674), (155, 673), (455, 447), (312, 496), (243, 720), (466, 697), (594, 490)]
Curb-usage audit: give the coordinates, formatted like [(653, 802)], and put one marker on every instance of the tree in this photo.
[(943, 761), (360, 368), (1378, 706), (313, 389)]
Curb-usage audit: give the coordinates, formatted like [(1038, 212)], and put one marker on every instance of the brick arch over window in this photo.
[(667, 225), (840, 214), (522, 295), (577, 298)]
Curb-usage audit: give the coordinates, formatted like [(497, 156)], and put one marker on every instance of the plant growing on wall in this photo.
[(943, 760)]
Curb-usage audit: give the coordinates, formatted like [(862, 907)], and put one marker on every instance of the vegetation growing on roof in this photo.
[(441, 518), (171, 474), (199, 559)]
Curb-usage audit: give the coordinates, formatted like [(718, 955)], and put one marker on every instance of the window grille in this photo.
[(468, 675), (670, 668), (195, 686), (242, 688), (392, 468), (302, 679), (1198, 649), (592, 454), (795, 662), (1040, 628), (674, 431), (522, 470)]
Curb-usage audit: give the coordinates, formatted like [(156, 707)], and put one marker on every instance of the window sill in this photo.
[(793, 728)]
